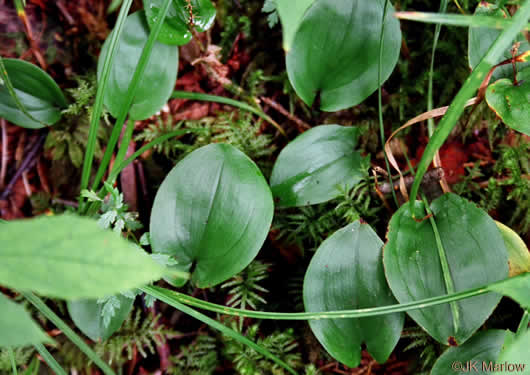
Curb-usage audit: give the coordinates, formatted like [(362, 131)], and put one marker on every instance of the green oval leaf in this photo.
[(311, 168), (481, 38), (483, 348), (518, 254), (17, 326), (176, 29), (159, 77), (512, 102), (475, 253), (35, 90), (71, 257), (335, 52), (347, 273), (99, 321), (212, 213)]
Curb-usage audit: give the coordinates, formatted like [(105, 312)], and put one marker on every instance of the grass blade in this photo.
[(164, 297), (471, 85), (98, 104), (48, 358), (12, 360), (228, 101), (131, 92), (460, 20), (59, 323)]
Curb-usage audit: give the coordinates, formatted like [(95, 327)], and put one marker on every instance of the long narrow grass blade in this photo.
[(131, 92), (12, 360), (98, 104), (461, 20), (471, 85), (216, 325), (59, 323), (228, 101), (48, 358), (380, 102)]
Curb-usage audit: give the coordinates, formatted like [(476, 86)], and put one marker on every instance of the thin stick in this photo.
[(302, 125)]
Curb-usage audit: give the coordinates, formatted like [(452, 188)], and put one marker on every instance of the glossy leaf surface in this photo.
[(291, 13), (517, 288), (311, 168), (212, 213), (177, 26), (476, 256), (335, 52), (484, 346), (71, 257), (17, 326), (346, 273), (518, 254), (35, 90), (481, 39), (88, 316), (159, 77), (512, 102)]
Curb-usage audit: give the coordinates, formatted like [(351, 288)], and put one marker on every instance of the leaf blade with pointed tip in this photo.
[(71, 257), (346, 272), (17, 326)]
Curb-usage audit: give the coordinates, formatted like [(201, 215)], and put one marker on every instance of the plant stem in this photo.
[(228, 101), (523, 325), (12, 359), (48, 358), (169, 295), (59, 323), (98, 104), (216, 325), (131, 93), (471, 85), (380, 101)]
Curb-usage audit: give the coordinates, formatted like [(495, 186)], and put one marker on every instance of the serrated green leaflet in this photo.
[(71, 257), (17, 326), (511, 102), (346, 273), (89, 316), (212, 213), (178, 23), (36, 92), (158, 79), (483, 347), (475, 253), (335, 53), (312, 168)]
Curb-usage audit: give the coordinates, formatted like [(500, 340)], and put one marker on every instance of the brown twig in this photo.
[(301, 125)]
